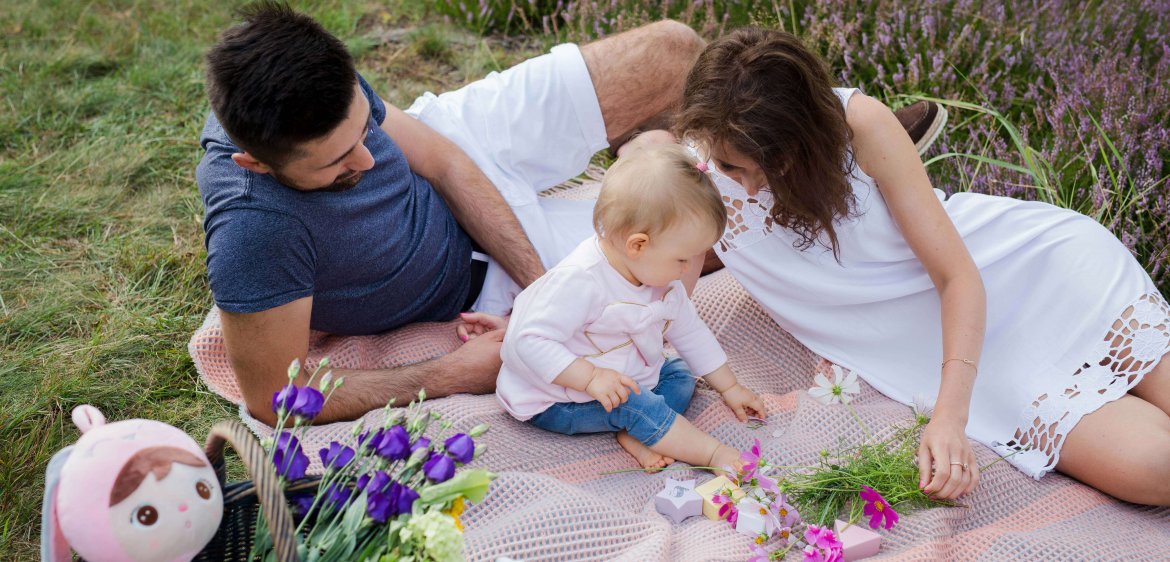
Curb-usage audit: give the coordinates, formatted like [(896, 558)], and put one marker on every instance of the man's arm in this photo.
[(475, 201), (260, 346)]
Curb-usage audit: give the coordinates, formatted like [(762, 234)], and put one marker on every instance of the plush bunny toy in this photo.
[(134, 490)]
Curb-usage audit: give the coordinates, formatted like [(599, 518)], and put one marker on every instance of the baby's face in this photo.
[(670, 252)]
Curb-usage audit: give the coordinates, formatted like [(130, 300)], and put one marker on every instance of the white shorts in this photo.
[(528, 128)]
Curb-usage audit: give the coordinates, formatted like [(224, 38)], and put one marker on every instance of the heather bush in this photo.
[(1064, 102)]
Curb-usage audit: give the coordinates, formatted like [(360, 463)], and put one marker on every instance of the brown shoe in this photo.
[(923, 121)]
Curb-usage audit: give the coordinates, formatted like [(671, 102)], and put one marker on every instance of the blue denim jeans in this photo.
[(646, 416)]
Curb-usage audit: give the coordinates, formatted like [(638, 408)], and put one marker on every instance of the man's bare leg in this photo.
[(639, 74)]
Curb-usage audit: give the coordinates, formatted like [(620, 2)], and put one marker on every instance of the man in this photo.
[(326, 209)]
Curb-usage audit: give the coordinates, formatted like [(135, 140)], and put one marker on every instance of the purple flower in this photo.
[(302, 504), (394, 444), (379, 484), (405, 498), (421, 443), (291, 462), (461, 447), (307, 403), (379, 507), (336, 456), (337, 495), (439, 468), (284, 398)]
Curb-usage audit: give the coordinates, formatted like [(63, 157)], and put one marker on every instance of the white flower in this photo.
[(837, 391), (923, 405), (433, 536)]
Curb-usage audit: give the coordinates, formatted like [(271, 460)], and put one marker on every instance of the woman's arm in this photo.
[(883, 151)]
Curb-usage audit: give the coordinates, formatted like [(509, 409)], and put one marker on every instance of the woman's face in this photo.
[(745, 171)]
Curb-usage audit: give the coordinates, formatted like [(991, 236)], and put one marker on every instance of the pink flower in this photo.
[(751, 458), (786, 515), (759, 554), (821, 537), (813, 554), (878, 509)]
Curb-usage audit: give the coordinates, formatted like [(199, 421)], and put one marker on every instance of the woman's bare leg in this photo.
[(1122, 449), (1155, 387)]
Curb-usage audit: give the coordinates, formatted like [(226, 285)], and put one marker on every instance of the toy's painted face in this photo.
[(171, 518)]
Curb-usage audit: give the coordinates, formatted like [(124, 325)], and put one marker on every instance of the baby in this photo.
[(584, 348)]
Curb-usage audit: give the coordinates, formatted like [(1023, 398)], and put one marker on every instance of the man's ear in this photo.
[(636, 243), (250, 163)]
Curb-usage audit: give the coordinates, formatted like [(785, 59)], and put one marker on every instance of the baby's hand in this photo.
[(479, 323), (609, 387), (743, 402)]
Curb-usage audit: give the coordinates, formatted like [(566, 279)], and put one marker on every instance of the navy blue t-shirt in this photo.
[(385, 253)]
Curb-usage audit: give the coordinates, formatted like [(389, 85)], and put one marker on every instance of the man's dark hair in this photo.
[(277, 80)]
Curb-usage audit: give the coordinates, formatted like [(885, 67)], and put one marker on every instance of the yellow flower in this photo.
[(456, 510)]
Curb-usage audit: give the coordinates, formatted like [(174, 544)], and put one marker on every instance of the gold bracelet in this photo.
[(967, 361)]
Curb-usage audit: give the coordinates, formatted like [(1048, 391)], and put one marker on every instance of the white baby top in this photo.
[(584, 308)]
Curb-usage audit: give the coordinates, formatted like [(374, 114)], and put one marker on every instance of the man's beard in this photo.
[(343, 183)]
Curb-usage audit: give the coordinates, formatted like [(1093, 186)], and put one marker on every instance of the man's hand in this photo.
[(476, 364), (472, 197), (610, 388), (743, 402), (476, 324)]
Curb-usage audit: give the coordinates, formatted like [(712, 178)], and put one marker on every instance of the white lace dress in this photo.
[(1073, 321)]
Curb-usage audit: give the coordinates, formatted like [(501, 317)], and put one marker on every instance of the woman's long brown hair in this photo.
[(763, 94)]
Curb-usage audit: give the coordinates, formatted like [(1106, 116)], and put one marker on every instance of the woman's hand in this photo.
[(945, 447), (479, 323)]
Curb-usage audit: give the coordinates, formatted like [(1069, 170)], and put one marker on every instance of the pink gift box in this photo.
[(858, 541)]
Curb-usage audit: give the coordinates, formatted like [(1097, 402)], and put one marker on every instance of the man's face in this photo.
[(336, 161)]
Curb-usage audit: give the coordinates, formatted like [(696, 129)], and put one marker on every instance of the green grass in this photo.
[(102, 277), (101, 251)]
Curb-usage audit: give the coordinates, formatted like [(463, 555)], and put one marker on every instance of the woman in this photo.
[(1045, 338)]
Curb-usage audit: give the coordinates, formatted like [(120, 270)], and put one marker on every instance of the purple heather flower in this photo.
[(284, 398), (291, 462), (439, 468), (307, 403), (394, 444), (336, 456), (461, 447)]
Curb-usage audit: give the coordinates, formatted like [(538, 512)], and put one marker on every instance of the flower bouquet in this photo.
[(395, 495), (799, 505)]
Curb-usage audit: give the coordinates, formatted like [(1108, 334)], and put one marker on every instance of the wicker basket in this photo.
[(243, 500)]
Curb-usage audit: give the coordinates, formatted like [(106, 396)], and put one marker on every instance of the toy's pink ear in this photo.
[(54, 547), (86, 417)]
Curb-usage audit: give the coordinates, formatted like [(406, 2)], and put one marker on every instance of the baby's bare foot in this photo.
[(646, 458), (725, 456)]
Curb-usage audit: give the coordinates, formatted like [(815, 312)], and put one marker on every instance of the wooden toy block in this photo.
[(713, 487)]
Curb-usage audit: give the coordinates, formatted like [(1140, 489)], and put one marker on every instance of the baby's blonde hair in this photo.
[(651, 188)]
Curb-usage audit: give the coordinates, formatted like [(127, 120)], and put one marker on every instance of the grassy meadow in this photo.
[(101, 103)]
